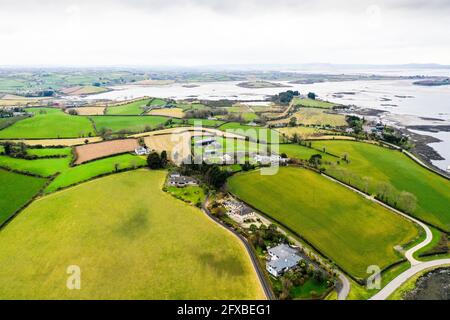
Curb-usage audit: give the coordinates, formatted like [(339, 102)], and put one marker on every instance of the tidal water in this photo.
[(434, 285), (406, 103)]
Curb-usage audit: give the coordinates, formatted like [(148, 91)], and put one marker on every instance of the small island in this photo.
[(433, 82), (259, 84)]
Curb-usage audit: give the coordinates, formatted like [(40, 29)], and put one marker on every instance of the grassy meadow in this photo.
[(83, 172), (49, 123), (191, 194), (352, 231), (304, 132), (372, 168), (312, 103), (253, 132), (130, 239), (129, 123), (132, 108), (15, 190), (46, 152), (43, 167), (301, 152)]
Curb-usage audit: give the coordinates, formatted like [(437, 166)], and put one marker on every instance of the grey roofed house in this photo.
[(175, 179), (283, 258), (244, 210)]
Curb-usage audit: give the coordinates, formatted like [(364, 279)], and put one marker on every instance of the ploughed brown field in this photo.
[(102, 149)]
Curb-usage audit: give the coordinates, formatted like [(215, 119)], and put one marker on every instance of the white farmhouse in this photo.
[(140, 151), (282, 258)]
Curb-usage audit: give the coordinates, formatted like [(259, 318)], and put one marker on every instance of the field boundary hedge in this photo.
[(97, 177), (26, 173), (9, 124), (19, 210)]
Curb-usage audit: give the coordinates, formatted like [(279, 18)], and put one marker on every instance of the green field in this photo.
[(46, 152), (311, 103), (352, 231), (301, 152), (130, 240), (158, 102), (191, 194), (132, 108), (319, 117), (191, 106), (6, 122), (204, 122), (49, 123), (15, 190), (255, 133), (228, 145), (129, 123), (42, 167), (370, 165), (80, 173)]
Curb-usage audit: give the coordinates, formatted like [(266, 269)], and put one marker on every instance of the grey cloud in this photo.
[(233, 6)]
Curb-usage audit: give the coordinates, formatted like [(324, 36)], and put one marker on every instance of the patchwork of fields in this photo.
[(352, 231), (181, 254), (113, 229)]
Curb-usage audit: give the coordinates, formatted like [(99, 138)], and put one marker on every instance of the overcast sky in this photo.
[(205, 32)]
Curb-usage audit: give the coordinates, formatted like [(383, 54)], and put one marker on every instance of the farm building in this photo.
[(264, 159), (281, 259), (238, 211), (177, 180), (141, 151)]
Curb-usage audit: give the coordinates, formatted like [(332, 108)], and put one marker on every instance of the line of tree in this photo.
[(156, 160), (204, 113), (284, 98), (211, 174)]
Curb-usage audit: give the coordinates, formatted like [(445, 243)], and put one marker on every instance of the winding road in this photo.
[(262, 279), (416, 265), (343, 291)]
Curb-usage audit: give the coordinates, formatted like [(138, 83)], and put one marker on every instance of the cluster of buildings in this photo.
[(376, 129), (180, 181), (281, 259)]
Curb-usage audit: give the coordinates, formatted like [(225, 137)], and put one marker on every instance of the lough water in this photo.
[(434, 285), (406, 103)]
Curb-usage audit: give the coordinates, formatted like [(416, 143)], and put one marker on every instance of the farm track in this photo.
[(262, 279)]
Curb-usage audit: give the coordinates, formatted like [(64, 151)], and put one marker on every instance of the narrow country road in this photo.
[(416, 265), (342, 291), (403, 277), (262, 279)]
